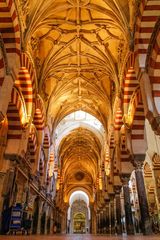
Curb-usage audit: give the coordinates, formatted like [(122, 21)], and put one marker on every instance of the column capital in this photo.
[(138, 160), (117, 189), (111, 197), (125, 177)]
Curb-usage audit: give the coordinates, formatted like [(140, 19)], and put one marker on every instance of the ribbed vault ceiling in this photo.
[(77, 47)]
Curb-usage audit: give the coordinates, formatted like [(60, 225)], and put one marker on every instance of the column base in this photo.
[(147, 230)]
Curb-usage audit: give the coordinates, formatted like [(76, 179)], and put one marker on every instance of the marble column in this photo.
[(118, 209), (142, 197), (127, 204)]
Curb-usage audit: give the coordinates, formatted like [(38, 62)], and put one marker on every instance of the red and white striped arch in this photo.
[(16, 115), (124, 153), (136, 111), (154, 67), (48, 179), (32, 142), (51, 164), (118, 120), (39, 116), (41, 167), (26, 81), (148, 15), (9, 26), (130, 81), (111, 141), (29, 65), (46, 140)]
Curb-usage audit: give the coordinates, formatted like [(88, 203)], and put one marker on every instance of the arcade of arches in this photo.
[(80, 116)]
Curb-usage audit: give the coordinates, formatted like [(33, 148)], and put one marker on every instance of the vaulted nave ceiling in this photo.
[(77, 45)]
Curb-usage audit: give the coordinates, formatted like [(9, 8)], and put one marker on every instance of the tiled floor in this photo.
[(79, 237)]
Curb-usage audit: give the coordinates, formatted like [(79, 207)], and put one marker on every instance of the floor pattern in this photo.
[(79, 237)]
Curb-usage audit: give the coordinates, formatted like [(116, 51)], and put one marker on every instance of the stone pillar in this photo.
[(98, 223), (112, 215), (101, 222), (104, 220), (118, 209), (127, 204), (64, 221), (93, 228), (142, 197), (107, 218)]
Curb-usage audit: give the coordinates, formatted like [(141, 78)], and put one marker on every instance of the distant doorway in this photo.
[(79, 223), (78, 217)]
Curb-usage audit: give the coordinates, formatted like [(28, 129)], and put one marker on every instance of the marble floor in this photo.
[(80, 237)]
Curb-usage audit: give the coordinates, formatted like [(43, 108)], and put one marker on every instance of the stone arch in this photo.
[(148, 15), (130, 82), (32, 143), (10, 30), (26, 82), (136, 113), (39, 116), (153, 65), (16, 115)]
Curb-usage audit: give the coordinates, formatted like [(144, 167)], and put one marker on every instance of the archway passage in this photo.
[(78, 146), (78, 143), (78, 215)]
